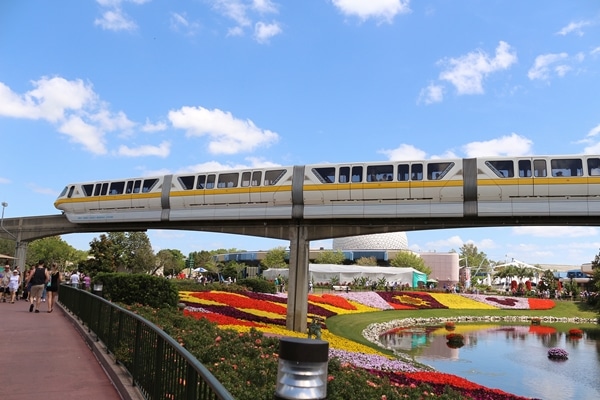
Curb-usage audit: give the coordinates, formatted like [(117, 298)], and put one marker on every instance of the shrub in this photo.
[(144, 289), (258, 285)]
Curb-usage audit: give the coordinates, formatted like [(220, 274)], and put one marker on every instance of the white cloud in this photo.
[(180, 23), (4, 180), (244, 14), (595, 51), (574, 27), (382, 10), (228, 135), (162, 150), (233, 9), (594, 131), (431, 94), (264, 6), (556, 231), (513, 145), (542, 66), (115, 20), (467, 72), (85, 134), (72, 106), (157, 127), (404, 152), (264, 32)]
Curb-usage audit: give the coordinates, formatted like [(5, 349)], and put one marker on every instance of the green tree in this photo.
[(275, 258), (367, 261), (54, 250), (330, 257), (407, 259), (120, 252), (139, 256), (171, 261), (7, 247), (470, 256)]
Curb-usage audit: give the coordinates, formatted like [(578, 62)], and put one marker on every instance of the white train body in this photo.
[(486, 187)]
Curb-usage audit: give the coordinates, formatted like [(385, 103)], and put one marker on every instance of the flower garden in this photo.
[(263, 317)]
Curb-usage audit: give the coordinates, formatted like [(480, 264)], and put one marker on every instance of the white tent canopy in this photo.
[(347, 273)]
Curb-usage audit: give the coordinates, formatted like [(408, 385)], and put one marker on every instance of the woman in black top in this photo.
[(52, 289)]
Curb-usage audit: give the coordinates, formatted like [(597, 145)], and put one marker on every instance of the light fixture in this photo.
[(302, 369)]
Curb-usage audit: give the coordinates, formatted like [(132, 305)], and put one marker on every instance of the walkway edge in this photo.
[(117, 374)]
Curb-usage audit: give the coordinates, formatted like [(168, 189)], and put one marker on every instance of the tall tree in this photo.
[(171, 261), (275, 258), (54, 250), (330, 257), (407, 259), (121, 251), (470, 256)]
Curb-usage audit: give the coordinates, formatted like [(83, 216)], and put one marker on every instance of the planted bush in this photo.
[(144, 289)]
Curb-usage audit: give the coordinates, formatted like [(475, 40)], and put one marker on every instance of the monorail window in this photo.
[(357, 174), (148, 185), (436, 171), (104, 189), (380, 173), (525, 168), (210, 181), (245, 179), (137, 185), (416, 172), (187, 182), (201, 182), (271, 177), (117, 188), (502, 168), (71, 190), (325, 175), (228, 180), (97, 189), (88, 190), (256, 177), (593, 166), (567, 167), (403, 172), (539, 168), (344, 175)]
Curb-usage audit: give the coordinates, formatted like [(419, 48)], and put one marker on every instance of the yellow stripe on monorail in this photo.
[(112, 197)]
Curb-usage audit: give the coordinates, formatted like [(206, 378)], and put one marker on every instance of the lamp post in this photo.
[(4, 205)]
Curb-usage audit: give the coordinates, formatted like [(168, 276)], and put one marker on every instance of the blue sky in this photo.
[(123, 88)]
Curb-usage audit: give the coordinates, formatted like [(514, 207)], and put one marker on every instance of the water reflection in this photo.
[(510, 358)]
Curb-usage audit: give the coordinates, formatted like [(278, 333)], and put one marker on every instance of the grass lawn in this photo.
[(350, 326)]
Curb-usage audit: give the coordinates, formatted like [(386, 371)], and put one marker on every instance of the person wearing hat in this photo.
[(4, 279), (13, 284)]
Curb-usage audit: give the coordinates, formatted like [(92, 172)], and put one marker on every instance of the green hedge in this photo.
[(143, 289)]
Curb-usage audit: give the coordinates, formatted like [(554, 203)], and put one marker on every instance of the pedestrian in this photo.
[(52, 289), (38, 280), (74, 279), (13, 284), (4, 280)]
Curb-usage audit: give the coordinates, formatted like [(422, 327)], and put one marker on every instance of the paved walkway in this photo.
[(49, 356)]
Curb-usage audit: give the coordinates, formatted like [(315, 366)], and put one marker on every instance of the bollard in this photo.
[(302, 369)]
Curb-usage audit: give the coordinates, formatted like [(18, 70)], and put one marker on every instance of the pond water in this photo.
[(510, 358)]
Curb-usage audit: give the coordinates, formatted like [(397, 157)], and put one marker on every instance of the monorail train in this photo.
[(485, 186)]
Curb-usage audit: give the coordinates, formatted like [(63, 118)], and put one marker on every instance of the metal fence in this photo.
[(159, 366)]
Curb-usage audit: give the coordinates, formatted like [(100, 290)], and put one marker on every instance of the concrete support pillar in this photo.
[(21, 255), (297, 305)]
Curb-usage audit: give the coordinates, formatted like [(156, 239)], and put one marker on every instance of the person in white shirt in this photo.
[(74, 280)]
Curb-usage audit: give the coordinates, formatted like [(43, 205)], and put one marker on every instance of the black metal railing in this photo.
[(159, 366)]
